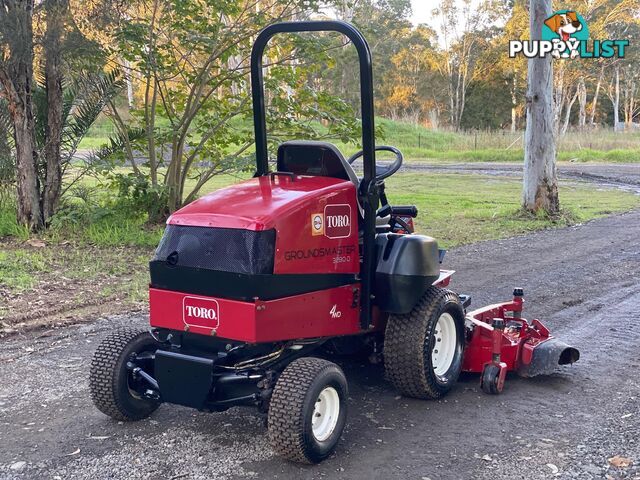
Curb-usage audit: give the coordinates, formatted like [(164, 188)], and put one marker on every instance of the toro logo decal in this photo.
[(337, 221), (201, 312)]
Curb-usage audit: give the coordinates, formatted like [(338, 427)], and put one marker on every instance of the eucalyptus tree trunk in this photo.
[(594, 103), (615, 101), (582, 102), (56, 14), (514, 102), (567, 112), (16, 81), (540, 182)]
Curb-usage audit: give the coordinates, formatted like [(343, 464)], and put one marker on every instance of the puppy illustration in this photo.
[(565, 25)]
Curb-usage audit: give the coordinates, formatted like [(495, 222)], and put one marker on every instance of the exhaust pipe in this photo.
[(547, 356)]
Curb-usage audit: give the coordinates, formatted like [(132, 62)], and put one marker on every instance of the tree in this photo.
[(386, 26), (16, 79), (191, 59), (411, 89), (540, 183), (45, 121), (462, 25), (57, 11)]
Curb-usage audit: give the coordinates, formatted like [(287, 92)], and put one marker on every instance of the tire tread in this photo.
[(285, 421), (103, 375), (404, 351)]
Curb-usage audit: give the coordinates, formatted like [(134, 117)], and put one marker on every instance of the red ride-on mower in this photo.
[(253, 286)]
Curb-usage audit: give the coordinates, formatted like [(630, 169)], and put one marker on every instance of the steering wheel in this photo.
[(385, 171)]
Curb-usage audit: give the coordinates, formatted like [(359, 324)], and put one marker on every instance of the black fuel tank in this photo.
[(407, 266)]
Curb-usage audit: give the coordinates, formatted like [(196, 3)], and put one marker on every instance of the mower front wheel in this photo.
[(114, 390), (490, 379), (308, 410), (423, 349)]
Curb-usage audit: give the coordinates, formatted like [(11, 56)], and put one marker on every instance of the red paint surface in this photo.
[(325, 313)]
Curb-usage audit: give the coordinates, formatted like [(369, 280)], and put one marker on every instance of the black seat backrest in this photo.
[(320, 159)]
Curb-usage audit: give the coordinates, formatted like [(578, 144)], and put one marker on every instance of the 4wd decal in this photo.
[(201, 312)]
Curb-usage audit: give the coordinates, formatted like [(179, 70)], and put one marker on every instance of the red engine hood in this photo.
[(257, 203)]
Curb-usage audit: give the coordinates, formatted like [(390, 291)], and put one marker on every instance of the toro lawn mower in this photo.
[(253, 286)]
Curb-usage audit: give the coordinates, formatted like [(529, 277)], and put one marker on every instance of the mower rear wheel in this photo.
[(308, 410), (423, 349), (114, 391)]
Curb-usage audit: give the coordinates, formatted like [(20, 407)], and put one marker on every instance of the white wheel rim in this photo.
[(325, 414), (444, 345)]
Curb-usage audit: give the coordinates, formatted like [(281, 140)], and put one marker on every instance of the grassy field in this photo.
[(422, 144), (104, 264)]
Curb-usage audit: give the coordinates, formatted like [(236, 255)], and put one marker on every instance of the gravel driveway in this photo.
[(583, 281)]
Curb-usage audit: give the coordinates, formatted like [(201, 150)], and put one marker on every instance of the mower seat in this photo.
[(321, 159), (307, 157)]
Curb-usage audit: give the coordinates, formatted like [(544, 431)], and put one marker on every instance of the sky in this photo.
[(422, 11)]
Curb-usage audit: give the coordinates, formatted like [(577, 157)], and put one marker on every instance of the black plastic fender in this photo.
[(407, 266)]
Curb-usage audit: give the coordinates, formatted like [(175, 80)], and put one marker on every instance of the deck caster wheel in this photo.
[(423, 349), (308, 410), (490, 379), (115, 391)]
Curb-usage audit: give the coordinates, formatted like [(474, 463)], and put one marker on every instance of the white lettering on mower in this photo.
[(335, 313), (201, 312), (338, 220)]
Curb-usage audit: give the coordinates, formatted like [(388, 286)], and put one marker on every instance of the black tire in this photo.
[(109, 377), (409, 341), (489, 379), (292, 409)]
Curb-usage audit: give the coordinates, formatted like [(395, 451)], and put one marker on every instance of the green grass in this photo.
[(8, 225), (420, 143), (108, 233), (458, 209), (62, 277), (18, 269), (610, 156)]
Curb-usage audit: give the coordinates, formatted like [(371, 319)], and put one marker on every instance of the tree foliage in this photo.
[(190, 60)]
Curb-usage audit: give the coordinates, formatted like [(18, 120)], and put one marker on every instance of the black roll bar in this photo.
[(368, 190)]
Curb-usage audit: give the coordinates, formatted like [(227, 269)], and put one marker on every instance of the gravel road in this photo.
[(582, 281)]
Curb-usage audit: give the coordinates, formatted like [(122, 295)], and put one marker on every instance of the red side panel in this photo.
[(321, 236), (324, 313)]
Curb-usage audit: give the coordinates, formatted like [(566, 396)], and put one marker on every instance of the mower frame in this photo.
[(369, 189)]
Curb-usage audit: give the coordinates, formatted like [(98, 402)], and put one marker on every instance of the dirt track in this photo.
[(582, 281)]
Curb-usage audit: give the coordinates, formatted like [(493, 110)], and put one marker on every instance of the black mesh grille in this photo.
[(222, 249)]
